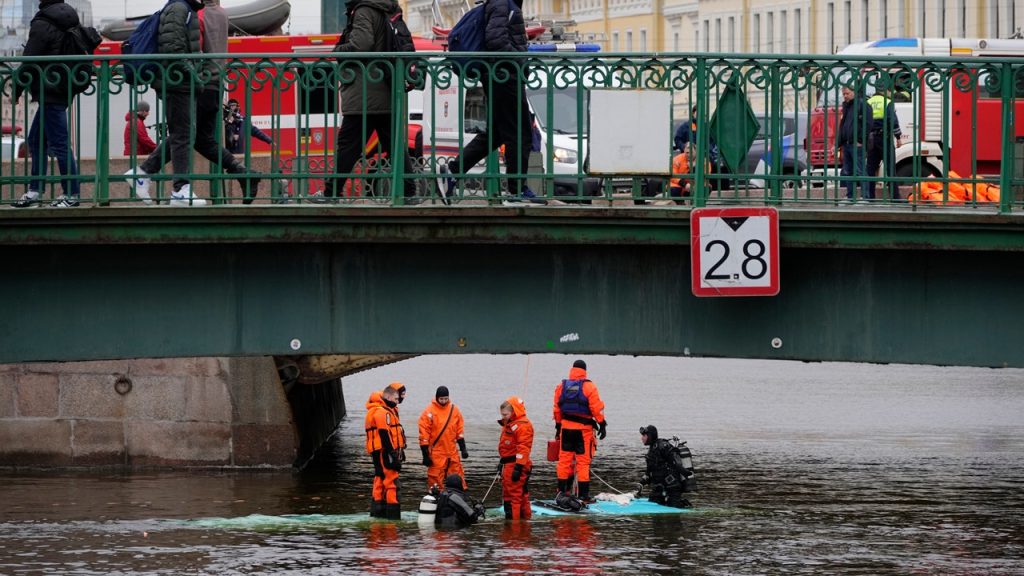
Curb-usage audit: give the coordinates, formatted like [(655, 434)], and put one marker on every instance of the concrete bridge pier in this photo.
[(151, 412)]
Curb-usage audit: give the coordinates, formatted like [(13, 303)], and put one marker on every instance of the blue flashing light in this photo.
[(563, 47), (895, 43)]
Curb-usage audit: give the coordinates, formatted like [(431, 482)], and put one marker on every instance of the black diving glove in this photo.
[(558, 429), (602, 429), (462, 448), (392, 460), (517, 472), (427, 461)]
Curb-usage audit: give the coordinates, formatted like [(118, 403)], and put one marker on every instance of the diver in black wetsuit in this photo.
[(669, 470), (455, 509)]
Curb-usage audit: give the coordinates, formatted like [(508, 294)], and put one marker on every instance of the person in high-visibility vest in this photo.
[(885, 131), (578, 410), (441, 429), (385, 443)]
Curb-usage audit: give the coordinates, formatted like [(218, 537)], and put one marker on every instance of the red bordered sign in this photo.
[(734, 251)]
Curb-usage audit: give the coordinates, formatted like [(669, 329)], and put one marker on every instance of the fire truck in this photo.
[(973, 117)]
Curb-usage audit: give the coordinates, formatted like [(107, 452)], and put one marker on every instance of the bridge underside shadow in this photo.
[(136, 301)]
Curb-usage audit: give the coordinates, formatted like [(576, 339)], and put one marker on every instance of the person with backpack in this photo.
[(667, 470), (213, 24), (578, 411), (366, 90), (50, 86), (441, 438), (509, 122), (176, 84), (455, 508)]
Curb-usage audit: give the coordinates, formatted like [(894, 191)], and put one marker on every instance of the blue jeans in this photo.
[(854, 164), (54, 143)]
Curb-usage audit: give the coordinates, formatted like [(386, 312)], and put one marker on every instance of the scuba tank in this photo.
[(684, 461), (428, 509)]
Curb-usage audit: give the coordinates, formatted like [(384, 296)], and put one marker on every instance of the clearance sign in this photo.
[(734, 251)]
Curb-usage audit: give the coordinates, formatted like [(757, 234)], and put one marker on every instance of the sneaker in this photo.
[(140, 184), (27, 200), (846, 202), (184, 197), (528, 195), (319, 197), (63, 201), (448, 187)]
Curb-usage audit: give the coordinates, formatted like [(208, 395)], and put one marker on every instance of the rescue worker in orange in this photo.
[(441, 428), (385, 443), (578, 410), (514, 448)]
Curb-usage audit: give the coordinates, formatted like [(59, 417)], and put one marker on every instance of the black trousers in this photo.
[(509, 127), (881, 149), (350, 142)]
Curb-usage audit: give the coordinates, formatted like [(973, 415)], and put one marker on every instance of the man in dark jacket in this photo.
[(213, 23), (509, 126), (177, 84), (853, 134), (885, 132), (49, 86), (455, 509), (235, 124), (366, 104)]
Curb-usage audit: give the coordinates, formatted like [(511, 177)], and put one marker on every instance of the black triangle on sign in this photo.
[(735, 222)]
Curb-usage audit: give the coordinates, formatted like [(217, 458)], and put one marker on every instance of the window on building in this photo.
[(615, 41), (942, 18), (885, 17), (866, 17), (831, 27), (961, 18), (784, 31), (847, 5), (675, 41), (756, 40), (643, 40), (707, 33), (718, 34), (629, 40), (901, 19), (732, 34), (798, 32), (922, 18)]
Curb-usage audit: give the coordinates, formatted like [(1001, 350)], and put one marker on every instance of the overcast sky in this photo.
[(305, 13)]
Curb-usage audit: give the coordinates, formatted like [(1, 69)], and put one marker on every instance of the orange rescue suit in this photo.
[(441, 427), (385, 443), (577, 447), (514, 448)]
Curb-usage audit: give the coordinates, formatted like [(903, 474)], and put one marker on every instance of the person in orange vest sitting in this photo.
[(385, 443), (578, 410), (514, 449), (441, 429), (684, 163)]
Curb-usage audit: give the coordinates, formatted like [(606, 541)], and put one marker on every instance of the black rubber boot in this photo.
[(376, 508), (393, 511), (563, 485), (585, 493), (507, 504)]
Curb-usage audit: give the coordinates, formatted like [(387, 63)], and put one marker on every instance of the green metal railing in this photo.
[(764, 127)]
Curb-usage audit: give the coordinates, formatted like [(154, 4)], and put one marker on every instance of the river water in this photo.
[(803, 469)]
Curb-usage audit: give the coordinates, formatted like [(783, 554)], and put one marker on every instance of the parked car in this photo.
[(794, 146), (12, 145)]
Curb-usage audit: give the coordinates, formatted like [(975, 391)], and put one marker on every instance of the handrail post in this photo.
[(101, 181), (700, 193), (1007, 193)]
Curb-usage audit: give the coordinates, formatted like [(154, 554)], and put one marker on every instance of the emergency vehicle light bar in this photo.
[(563, 47)]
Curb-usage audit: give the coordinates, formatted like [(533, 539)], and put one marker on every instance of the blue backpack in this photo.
[(468, 36), (143, 40)]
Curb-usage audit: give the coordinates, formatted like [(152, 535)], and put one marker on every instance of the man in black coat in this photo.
[(510, 125), (49, 85), (852, 137)]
